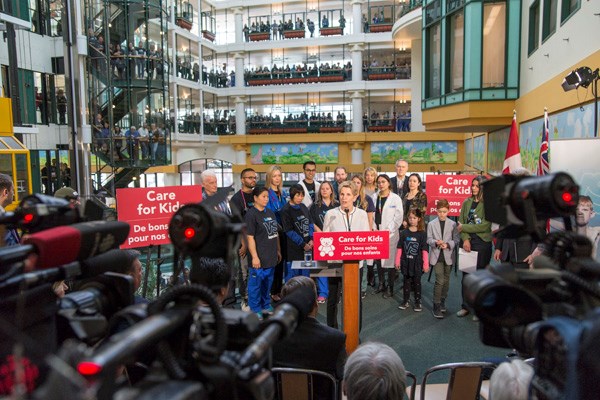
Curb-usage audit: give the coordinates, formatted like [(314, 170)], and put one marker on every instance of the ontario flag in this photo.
[(543, 161), (512, 160)]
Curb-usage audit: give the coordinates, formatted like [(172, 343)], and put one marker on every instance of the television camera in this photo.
[(183, 345), (550, 312)]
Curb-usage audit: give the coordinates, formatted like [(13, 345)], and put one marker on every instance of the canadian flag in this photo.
[(512, 160)]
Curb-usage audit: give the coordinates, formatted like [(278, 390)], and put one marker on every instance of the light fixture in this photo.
[(582, 76)]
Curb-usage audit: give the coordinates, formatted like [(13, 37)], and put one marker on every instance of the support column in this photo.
[(356, 50), (356, 151), (240, 114), (357, 110), (175, 91), (416, 123), (240, 154), (357, 25), (239, 69), (239, 25)]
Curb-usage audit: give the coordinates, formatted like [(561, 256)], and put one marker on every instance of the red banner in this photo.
[(454, 188), (331, 246), (149, 210)]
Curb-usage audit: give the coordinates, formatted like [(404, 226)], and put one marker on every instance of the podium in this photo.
[(350, 274)]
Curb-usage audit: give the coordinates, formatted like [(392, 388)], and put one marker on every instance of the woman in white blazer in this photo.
[(388, 217)]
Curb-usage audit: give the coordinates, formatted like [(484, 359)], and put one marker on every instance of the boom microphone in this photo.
[(77, 242), (287, 315)]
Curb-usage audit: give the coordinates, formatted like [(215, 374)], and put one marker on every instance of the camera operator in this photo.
[(134, 269), (7, 193), (213, 273), (69, 194)]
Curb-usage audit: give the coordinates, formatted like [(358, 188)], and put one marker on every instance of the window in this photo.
[(549, 24), (433, 60), (534, 27), (456, 39), (494, 45), (568, 7)]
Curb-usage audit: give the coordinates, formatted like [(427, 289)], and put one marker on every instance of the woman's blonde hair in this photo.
[(348, 184), (269, 177), (361, 192)]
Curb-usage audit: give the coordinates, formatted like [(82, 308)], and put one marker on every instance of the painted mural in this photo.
[(497, 150), (294, 153), (571, 124), (415, 152), (469, 152), (479, 153)]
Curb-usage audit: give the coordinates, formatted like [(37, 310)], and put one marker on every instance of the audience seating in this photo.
[(298, 384), (464, 383), (412, 389)]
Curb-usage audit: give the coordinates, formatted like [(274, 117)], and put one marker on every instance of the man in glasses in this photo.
[(310, 186), (243, 200)]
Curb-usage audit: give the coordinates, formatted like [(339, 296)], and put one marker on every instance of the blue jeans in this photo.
[(322, 287), (259, 288)]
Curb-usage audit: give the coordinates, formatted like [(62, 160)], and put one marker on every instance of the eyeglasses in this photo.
[(310, 170), (250, 177)]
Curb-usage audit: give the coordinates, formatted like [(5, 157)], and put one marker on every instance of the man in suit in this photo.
[(442, 237), (313, 345), (400, 181)]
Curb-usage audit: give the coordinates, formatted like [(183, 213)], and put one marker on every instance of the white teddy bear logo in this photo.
[(326, 247)]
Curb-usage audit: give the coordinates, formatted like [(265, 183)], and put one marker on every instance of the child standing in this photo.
[(412, 257), (442, 236), (298, 227)]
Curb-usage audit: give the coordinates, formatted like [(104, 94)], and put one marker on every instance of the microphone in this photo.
[(77, 242), (347, 211), (112, 261), (287, 315)]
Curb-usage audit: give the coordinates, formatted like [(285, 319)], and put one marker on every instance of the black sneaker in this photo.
[(417, 307), (443, 308), (437, 312), (404, 305)]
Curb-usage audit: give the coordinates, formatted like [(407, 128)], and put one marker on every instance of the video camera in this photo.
[(549, 312), (183, 344)]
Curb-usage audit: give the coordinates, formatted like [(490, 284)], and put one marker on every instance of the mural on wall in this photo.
[(497, 150), (479, 153), (415, 152), (469, 152), (574, 123), (294, 153)]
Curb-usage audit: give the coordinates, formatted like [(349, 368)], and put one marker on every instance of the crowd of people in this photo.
[(126, 61), (276, 30), (297, 71), (302, 120), (396, 121), (146, 143)]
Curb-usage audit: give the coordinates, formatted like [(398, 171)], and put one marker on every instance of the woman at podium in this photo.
[(345, 218)]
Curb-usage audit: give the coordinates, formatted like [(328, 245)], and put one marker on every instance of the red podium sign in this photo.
[(360, 245), (454, 188), (149, 210)]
